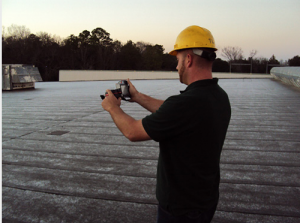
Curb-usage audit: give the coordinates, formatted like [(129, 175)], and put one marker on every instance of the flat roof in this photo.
[(64, 160)]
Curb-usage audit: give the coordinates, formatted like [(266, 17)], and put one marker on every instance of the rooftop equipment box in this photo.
[(19, 76)]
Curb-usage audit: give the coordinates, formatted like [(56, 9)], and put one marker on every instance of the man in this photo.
[(190, 128)]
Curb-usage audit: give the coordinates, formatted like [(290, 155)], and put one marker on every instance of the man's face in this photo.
[(181, 66)]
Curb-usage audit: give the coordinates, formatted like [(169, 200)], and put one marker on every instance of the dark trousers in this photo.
[(164, 216)]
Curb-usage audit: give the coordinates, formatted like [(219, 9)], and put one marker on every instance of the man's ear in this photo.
[(190, 60)]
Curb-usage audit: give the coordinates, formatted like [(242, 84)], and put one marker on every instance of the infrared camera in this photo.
[(121, 91)]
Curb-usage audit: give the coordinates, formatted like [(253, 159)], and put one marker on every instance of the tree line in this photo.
[(238, 63), (95, 50)]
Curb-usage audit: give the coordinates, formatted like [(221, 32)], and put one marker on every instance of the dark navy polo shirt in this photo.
[(191, 129)]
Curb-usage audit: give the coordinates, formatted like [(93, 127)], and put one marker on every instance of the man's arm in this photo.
[(131, 128), (149, 103)]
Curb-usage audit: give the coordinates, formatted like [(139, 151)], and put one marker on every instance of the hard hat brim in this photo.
[(174, 52), (194, 37)]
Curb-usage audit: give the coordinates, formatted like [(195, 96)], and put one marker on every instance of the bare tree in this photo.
[(18, 32), (45, 38), (3, 31), (142, 46), (232, 53), (252, 53)]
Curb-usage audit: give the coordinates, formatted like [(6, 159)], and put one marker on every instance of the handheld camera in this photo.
[(122, 90)]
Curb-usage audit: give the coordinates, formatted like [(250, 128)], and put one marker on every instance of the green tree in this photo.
[(220, 65), (130, 56), (49, 62), (100, 37), (85, 50), (102, 48), (272, 63), (70, 53), (90, 50), (41, 50), (259, 65), (153, 57), (116, 61), (273, 60), (169, 62), (295, 61)]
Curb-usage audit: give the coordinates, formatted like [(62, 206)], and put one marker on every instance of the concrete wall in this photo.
[(288, 75), (97, 75), (100, 75)]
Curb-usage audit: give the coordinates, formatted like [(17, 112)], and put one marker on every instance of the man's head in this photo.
[(192, 67), (195, 52)]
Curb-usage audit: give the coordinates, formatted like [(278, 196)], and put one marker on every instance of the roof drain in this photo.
[(58, 133)]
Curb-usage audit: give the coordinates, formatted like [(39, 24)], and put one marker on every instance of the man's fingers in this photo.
[(130, 84), (132, 88), (108, 92)]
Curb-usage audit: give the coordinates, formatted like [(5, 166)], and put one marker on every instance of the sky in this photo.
[(268, 26)]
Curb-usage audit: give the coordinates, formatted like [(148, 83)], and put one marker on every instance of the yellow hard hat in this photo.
[(193, 37)]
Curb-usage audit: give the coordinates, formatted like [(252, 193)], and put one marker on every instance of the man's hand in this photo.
[(131, 128), (133, 92), (110, 102)]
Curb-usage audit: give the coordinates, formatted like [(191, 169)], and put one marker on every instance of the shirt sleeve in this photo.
[(167, 121)]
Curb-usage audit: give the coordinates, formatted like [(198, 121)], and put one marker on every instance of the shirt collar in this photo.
[(201, 83)]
